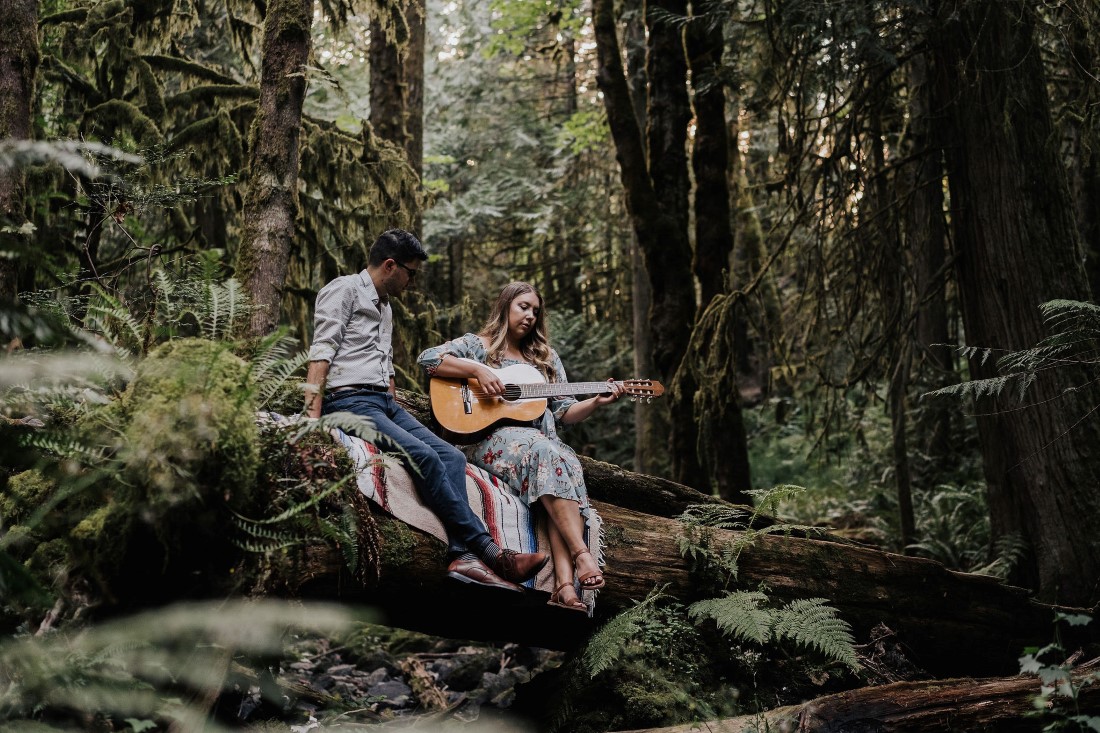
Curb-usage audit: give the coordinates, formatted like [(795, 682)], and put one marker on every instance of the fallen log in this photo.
[(950, 623), (1001, 704)]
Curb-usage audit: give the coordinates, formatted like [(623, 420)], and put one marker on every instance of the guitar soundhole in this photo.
[(511, 393)]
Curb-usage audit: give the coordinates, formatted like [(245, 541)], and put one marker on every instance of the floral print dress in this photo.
[(532, 461)]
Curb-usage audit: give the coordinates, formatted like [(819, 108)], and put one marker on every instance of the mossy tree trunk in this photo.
[(271, 197), (19, 59), (397, 85), (951, 623), (1017, 246)]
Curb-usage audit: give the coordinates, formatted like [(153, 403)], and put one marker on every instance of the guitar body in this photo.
[(460, 407)]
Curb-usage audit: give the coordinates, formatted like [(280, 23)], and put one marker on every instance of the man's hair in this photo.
[(396, 244)]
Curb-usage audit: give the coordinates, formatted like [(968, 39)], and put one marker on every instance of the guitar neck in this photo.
[(560, 389)]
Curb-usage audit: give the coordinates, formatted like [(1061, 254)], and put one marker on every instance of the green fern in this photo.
[(607, 645), (814, 625), (300, 507), (807, 622), (138, 667), (1073, 341), (739, 614)]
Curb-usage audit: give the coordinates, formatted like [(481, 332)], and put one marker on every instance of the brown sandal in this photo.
[(574, 605), (592, 581)]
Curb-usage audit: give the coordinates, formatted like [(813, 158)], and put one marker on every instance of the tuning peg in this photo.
[(633, 398), (648, 400)]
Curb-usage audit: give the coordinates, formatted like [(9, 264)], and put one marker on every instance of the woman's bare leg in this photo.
[(559, 553), (566, 517)]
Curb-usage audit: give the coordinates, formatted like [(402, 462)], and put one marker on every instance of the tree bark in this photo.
[(1017, 246), (271, 201), (926, 235), (657, 202), (1000, 704), (650, 420), (397, 86), (722, 445), (19, 59)]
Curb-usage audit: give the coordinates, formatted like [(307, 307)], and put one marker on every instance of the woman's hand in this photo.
[(490, 382), (617, 391)]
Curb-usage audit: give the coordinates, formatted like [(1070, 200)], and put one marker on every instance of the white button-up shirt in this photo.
[(353, 331)]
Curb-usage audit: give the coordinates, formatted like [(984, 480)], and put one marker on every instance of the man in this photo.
[(351, 370)]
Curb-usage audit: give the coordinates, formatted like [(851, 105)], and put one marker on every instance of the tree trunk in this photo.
[(951, 623), (996, 704), (18, 66), (659, 224), (271, 201), (926, 235), (1017, 246), (387, 86), (397, 87), (650, 420), (722, 444), (668, 113)]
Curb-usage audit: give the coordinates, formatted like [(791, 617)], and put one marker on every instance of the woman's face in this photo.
[(523, 313)]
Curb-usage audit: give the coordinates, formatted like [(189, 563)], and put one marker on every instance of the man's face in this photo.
[(398, 276)]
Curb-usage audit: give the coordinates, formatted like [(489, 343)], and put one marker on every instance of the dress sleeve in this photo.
[(465, 347), (558, 405)]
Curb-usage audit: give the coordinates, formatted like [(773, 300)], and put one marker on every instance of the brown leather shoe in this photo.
[(476, 572), (520, 566)]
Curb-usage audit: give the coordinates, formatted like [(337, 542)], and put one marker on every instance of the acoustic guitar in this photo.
[(462, 407)]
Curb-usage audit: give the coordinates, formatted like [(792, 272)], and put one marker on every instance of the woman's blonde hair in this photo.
[(535, 346)]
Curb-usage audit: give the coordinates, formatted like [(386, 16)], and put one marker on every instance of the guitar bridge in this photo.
[(467, 399)]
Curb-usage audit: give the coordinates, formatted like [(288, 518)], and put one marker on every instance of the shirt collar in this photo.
[(366, 282)]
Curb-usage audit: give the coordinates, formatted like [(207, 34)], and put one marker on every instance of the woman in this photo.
[(532, 460)]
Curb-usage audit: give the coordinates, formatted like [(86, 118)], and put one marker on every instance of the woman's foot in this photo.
[(588, 572), (565, 596)]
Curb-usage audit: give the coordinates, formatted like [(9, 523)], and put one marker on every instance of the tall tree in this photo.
[(1017, 246), (271, 201), (654, 175), (721, 441), (18, 65)]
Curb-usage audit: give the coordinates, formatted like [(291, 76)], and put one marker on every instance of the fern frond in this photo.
[(715, 515), (264, 547), (739, 614), (977, 388), (814, 625), (297, 509), (1009, 551), (264, 531), (117, 325), (770, 499), (607, 645), (65, 446)]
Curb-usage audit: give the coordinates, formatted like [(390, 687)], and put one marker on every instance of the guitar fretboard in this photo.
[(557, 390)]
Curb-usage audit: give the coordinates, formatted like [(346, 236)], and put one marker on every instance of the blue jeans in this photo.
[(441, 481)]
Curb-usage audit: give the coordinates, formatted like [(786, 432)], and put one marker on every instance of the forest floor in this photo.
[(388, 679)]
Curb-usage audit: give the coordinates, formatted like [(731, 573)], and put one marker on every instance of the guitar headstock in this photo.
[(645, 389)]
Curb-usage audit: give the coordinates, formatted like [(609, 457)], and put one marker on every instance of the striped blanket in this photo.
[(510, 522)]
